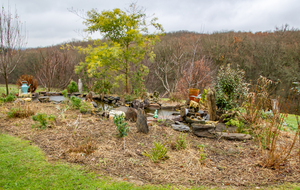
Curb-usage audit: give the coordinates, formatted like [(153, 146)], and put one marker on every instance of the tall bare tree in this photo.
[(55, 67), (12, 40)]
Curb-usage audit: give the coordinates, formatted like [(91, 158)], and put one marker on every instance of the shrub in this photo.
[(122, 128), (159, 152), (72, 87), (75, 102), (20, 112), (43, 120), (86, 107), (65, 93), (31, 81), (230, 87)]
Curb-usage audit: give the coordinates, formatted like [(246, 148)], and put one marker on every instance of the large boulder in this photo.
[(141, 122), (131, 114)]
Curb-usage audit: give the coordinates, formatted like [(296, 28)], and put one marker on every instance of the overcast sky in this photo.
[(48, 22)]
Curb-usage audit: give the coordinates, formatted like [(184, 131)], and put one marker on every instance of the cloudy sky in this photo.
[(48, 22)]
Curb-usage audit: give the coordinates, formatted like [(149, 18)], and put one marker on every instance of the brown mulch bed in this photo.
[(92, 141)]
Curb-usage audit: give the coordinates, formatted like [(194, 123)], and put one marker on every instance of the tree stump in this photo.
[(211, 104), (141, 122)]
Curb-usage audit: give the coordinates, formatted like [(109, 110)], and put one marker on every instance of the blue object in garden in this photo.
[(155, 114), (24, 87)]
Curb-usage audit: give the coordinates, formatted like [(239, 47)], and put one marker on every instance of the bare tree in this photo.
[(11, 42), (55, 67)]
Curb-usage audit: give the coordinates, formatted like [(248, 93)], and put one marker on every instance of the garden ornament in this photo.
[(25, 87), (155, 114)]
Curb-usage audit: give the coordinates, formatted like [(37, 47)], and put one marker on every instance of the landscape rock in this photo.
[(112, 113), (138, 103), (181, 127), (168, 106), (141, 122), (211, 103), (94, 104), (234, 136), (189, 120), (131, 114), (154, 106), (204, 130), (44, 99)]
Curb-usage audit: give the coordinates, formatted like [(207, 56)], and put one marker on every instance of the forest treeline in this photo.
[(183, 60)]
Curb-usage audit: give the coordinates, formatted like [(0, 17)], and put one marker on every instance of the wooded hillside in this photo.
[(183, 59)]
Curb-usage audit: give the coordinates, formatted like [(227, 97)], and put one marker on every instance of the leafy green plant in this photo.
[(181, 141), (159, 152), (43, 120), (122, 128), (238, 123), (86, 107), (75, 102), (72, 87), (203, 96), (65, 93), (10, 98)]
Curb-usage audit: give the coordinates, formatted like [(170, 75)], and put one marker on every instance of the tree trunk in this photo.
[(6, 83)]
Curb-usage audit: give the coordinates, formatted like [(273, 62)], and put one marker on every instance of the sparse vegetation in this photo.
[(21, 111)]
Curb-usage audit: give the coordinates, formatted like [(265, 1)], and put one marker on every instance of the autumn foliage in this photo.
[(30, 80)]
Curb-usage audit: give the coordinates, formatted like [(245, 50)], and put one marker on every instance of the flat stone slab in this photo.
[(181, 128), (189, 120), (151, 119), (234, 136)]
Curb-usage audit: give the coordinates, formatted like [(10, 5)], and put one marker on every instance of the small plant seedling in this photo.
[(159, 152), (202, 154), (181, 142)]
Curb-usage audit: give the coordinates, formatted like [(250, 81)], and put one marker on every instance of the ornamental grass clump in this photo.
[(158, 153)]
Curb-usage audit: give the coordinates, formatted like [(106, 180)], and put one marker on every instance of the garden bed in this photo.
[(92, 141)]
